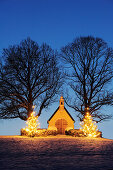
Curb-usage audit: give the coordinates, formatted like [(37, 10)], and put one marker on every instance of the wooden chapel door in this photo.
[(61, 125)]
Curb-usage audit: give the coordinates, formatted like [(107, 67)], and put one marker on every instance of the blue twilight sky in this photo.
[(55, 22)]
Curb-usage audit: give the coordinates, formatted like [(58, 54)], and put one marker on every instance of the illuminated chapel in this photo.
[(61, 120)]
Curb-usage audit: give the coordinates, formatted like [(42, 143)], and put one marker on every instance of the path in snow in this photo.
[(55, 153)]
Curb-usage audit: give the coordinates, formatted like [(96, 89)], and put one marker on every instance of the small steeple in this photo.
[(61, 103)]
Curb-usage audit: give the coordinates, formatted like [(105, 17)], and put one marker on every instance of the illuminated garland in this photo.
[(89, 127), (32, 125)]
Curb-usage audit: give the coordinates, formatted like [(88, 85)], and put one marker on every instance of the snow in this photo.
[(59, 152)]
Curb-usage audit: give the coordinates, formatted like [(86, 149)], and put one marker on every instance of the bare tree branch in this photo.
[(29, 73), (90, 70)]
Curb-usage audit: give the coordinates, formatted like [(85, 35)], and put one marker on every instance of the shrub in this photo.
[(40, 132), (75, 132), (78, 133)]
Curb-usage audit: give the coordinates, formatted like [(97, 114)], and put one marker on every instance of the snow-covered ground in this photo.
[(58, 153)]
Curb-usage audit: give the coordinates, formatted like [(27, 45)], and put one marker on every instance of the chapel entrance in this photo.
[(61, 125)]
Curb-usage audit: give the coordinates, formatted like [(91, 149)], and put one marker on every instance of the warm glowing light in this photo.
[(32, 125), (33, 106), (89, 127)]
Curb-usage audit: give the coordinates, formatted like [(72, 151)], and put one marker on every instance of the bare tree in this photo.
[(29, 75), (89, 72)]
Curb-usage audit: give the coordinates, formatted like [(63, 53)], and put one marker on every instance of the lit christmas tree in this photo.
[(32, 125), (89, 127)]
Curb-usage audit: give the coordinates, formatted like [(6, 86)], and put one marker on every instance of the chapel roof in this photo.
[(61, 98)]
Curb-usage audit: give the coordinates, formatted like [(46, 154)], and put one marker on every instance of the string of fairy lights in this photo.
[(88, 126), (32, 125)]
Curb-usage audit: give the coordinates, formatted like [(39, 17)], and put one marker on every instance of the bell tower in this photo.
[(61, 103)]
